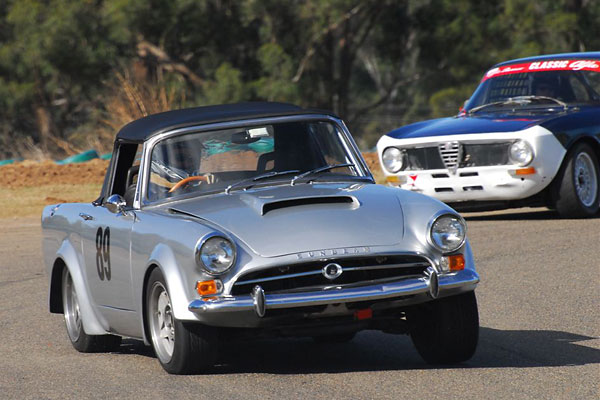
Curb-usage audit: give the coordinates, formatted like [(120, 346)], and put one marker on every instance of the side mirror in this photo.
[(461, 110), (116, 204)]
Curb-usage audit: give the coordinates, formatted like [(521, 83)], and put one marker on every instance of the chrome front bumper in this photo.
[(430, 284)]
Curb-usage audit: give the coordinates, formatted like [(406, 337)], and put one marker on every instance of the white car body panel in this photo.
[(498, 182)]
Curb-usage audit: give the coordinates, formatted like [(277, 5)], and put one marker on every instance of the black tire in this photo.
[(80, 340), (337, 338), (189, 348), (99, 344), (445, 331), (569, 201)]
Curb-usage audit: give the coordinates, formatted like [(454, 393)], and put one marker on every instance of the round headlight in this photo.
[(216, 255), (521, 153), (448, 233), (393, 159)]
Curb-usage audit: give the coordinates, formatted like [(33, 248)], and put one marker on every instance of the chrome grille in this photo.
[(467, 155), (309, 276), (451, 153)]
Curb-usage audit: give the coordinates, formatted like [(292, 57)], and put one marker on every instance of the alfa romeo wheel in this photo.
[(82, 341), (180, 348), (577, 191), (445, 331)]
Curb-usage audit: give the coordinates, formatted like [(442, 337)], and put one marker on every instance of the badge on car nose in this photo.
[(332, 271)]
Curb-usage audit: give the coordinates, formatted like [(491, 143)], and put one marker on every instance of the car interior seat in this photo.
[(132, 175)]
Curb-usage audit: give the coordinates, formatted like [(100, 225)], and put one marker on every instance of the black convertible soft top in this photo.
[(143, 128)]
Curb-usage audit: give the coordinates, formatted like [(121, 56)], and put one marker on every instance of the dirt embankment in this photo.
[(26, 187), (373, 162), (33, 174)]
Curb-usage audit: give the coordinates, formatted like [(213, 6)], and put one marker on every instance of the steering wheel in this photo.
[(186, 181)]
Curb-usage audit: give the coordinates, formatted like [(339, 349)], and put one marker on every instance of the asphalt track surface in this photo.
[(539, 304)]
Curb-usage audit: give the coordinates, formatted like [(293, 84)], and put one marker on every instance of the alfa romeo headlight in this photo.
[(216, 255), (393, 159), (521, 153), (448, 232)]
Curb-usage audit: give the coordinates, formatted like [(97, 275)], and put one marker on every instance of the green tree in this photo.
[(71, 68), (52, 60)]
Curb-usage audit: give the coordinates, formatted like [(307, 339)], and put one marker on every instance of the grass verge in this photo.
[(30, 201)]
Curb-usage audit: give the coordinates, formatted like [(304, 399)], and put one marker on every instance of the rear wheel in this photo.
[(577, 188), (82, 341), (180, 348), (445, 331)]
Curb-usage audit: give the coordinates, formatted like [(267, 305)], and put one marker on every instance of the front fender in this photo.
[(164, 257), (469, 259), (93, 323)]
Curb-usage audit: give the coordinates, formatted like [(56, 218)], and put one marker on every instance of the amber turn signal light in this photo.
[(395, 179), (524, 171), (456, 262), (207, 288)]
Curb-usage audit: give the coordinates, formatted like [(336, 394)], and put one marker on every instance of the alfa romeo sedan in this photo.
[(255, 219), (528, 136)]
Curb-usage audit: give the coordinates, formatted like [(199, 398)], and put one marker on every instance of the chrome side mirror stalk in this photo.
[(116, 204)]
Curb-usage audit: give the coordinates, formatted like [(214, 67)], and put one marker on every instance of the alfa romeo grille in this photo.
[(309, 276), (451, 153), (445, 156), (485, 154)]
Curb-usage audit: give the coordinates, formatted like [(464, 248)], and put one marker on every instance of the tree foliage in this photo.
[(65, 64)]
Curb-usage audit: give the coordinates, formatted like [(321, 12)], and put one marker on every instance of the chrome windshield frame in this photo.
[(141, 199)]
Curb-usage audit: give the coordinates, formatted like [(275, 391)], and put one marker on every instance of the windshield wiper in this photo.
[(519, 100), (320, 169), (251, 181)]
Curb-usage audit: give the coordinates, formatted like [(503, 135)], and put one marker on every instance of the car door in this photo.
[(106, 238)]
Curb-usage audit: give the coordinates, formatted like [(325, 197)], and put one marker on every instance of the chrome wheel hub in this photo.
[(162, 325), (71, 307), (586, 180)]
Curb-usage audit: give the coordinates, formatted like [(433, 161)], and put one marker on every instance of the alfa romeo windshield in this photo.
[(239, 158), (538, 84)]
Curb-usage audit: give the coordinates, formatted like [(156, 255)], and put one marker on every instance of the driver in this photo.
[(545, 85), (175, 165)]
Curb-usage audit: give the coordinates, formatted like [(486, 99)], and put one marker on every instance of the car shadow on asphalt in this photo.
[(375, 351), (518, 216), (533, 348), (137, 347)]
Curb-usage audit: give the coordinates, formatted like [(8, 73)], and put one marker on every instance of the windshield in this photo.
[(222, 160), (563, 80)]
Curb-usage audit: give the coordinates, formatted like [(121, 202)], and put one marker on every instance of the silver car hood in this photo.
[(282, 220)]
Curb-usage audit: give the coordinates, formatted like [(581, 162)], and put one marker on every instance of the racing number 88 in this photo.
[(103, 253)]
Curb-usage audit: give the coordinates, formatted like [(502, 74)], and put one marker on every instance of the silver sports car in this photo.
[(255, 219)]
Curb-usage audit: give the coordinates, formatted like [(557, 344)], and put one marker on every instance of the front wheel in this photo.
[(577, 186), (180, 348), (445, 331), (82, 341)]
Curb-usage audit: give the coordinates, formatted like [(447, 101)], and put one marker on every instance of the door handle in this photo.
[(86, 217)]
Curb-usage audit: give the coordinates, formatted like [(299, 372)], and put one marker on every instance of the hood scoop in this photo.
[(305, 201)]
